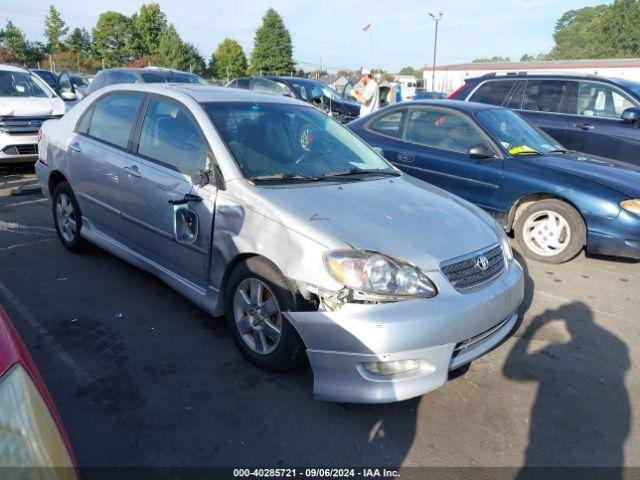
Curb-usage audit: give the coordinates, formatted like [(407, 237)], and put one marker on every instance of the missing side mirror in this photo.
[(185, 224)]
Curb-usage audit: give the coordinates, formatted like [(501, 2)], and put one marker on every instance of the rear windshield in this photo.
[(19, 84)]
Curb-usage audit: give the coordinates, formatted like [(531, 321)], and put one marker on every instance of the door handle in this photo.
[(75, 147), (406, 157), (584, 126), (188, 198), (132, 171)]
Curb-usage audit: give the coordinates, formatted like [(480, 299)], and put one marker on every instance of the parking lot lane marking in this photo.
[(40, 330), (18, 228), (24, 203), (27, 244), (568, 300)]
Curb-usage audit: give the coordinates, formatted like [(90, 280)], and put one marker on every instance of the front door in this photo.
[(598, 128), (435, 148), (171, 212)]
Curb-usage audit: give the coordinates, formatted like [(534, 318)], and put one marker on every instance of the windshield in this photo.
[(306, 90), (79, 81), (331, 93), (515, 134), (153, 77), (19, 84), (280, 140)]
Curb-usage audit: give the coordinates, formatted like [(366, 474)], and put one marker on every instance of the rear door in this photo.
[(547, 104), (167, 228), (598, 128), (98, 154)]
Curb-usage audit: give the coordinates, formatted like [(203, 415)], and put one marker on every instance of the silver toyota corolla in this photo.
[(266, 210)]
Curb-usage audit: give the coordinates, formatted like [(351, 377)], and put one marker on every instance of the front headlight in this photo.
[(377, 274), (29, 436), (506, 246), (632, 205)]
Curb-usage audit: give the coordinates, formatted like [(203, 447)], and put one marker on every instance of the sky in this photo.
[(331, 32)]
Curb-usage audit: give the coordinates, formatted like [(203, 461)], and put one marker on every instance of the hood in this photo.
[(402, 217), (351, 108), (620, 176), (31, 106)]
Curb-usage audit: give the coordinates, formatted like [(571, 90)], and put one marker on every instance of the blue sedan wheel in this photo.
[(550, 231)]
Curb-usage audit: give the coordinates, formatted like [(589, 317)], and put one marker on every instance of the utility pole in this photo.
[(435, 49)]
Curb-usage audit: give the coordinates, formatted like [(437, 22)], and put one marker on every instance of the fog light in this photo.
[(392, 368)]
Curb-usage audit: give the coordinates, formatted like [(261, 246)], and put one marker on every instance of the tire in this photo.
[(246, 320), (550, 231), (67, 218)]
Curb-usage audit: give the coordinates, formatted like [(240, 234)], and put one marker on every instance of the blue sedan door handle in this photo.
[(406, 157), (584, 126), (132, 171), (75, 147)]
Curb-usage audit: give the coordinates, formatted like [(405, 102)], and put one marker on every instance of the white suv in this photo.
[(26, 102)]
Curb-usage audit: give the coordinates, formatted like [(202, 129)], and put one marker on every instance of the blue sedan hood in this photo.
[(620, 176)]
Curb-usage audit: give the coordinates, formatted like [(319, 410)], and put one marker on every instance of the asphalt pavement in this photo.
[(142, 377)]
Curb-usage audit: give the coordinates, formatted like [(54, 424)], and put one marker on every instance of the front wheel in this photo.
[(550, 231), (255, 297)]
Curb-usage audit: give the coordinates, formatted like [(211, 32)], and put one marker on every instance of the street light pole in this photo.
[(435, 49)]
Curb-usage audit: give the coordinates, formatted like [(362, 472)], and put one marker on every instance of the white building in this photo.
[(409, 84), (449, 77)]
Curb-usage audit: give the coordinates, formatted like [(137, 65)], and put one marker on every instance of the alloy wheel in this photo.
[(66, 218), (257, 316)]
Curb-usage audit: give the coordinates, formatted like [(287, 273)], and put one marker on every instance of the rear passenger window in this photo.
[(554, 96), (170, 136), (113, 118), (243, 83), (492, 92), (388, 125)]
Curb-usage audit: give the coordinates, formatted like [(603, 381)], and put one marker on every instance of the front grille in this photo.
[(474, 269), (21, 149), (23, 125)]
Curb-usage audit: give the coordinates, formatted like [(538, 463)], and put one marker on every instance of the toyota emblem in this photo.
[(482, 262)]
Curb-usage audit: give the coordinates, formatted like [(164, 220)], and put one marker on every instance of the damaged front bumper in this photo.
[(434, 335)]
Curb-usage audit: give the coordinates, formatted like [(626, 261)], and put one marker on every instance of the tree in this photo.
[(174, 53), (228, 60), (272, 51), (581, 34), (15, 41), (112, 38), (494, 59), (533, 58), (79, 42), (147, 26), (54, 29), (409, 71)]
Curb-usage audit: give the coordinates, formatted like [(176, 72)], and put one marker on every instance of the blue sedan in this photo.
[(555, 201)]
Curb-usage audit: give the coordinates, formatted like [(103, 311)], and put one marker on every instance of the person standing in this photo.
[(370, 97)]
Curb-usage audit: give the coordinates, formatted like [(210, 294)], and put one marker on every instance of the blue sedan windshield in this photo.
[(285, 141), (514, 133)]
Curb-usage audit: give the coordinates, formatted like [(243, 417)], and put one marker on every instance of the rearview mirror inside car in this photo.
[(631, 115), (481, 151)]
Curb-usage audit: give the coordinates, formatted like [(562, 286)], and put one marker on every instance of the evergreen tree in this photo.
[(79, 41), (54, 29), (174, 53), (148, 24), (15, 41), (112, 38), (228, 60), (272, 51)]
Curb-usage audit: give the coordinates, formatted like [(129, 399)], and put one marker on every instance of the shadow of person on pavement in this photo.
[(581, 414)]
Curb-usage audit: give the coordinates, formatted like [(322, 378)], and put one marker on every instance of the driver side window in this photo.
[(170, 136), (442, 129)]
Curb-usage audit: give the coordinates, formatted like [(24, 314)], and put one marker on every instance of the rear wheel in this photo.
[(550, 231), (255, 297), (67, 218)]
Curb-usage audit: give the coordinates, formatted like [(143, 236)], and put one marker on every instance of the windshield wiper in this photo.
[(361, 171), (286, 176)]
